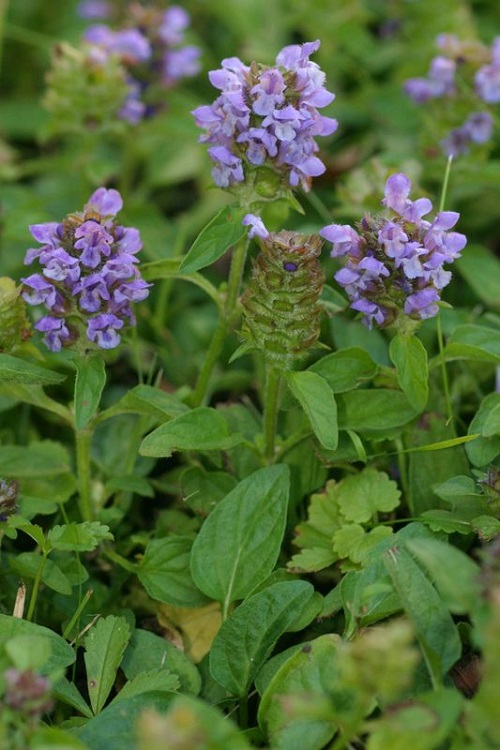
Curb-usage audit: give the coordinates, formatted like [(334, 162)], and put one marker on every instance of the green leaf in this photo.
[(481, 269), (410, 359), (485, 449), (486, 527), (15, 370), (435, 630), (316, 398), (28, 651), (155, 679), (474, 342), (89, 385), (356, 544), (35, 395), (445, 520), (115, 727), (164, 572), (427, 722), (67, 692), (51, 738), (105, 645), (248, 636), (39, 459), (361, 496), (491, 425), (379, 409), (61, 653), (193, 725), (223, 231), (201, 429), (454, 575), (345, 369), (169, 268), (27, 565), (147, 400), (80, 537), (310, 671), (148, 652), (238, 545)]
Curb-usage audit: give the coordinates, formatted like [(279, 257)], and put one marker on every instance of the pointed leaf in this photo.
[(164, 572), (312, 670), (219, 235), (89, 385), (410, 359), (248, 636), (61, 653), (453, 573), (317, 399), (435, 630), (15, 370), (345, 369), (201, 429), (105, 645), (238, 545)]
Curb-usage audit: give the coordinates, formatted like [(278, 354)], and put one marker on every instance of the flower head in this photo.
[(282, 309), (152, 50), (267, 116), (440, 82), (89, 275), (393, 265)]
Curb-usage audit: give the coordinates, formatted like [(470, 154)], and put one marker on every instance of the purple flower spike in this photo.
[(393, 266), (89, 275), (267, 116)]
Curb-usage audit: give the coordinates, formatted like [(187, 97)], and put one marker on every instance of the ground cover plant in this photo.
[(249, 375)]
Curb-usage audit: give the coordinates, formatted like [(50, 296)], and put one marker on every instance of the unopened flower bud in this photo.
[(282, 311)]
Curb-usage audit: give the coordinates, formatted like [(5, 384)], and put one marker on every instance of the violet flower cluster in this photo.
[(394, 266), (89, 275), (152, 52), (442, 81), (267, 116)]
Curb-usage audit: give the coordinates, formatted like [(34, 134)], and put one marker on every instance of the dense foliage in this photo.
[(249, 375)]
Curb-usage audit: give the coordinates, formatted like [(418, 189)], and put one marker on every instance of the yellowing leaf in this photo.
[(197, 626)]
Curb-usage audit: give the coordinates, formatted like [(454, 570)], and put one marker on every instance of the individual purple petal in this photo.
[(397, 190), (487, 82), (128, 240), (104, 201), (479, 127), (42, 293), (93, 241), (257, 228), (131, 291), (180, 63), (423, 303), (56, 332), (103, 330), (175, 21), (345, 240)]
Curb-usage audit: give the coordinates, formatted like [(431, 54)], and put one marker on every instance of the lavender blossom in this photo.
[(393, 265), (267, 116), (153, 53), (89, 275)]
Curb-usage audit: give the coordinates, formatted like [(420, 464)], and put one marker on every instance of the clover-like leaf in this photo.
[(80, 537), (364, 495)]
